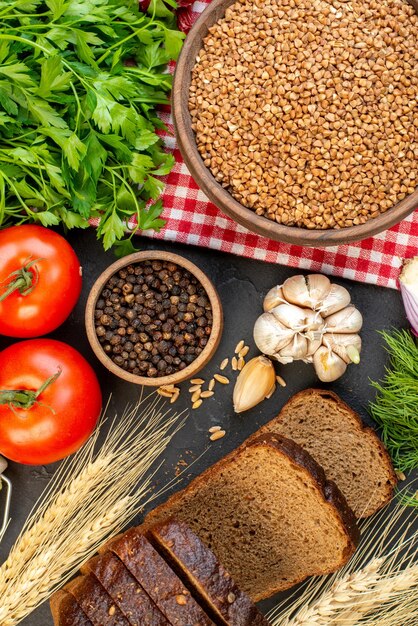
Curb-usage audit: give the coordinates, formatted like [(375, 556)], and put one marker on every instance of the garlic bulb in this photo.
[(310, 319), (256, 381), (328, 365), (273, 298), (270, 335)]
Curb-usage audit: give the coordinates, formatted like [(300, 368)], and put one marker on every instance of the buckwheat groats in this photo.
[(306, 110)]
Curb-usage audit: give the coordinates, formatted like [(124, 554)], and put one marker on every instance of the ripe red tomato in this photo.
[(63, 415), (49, 283)]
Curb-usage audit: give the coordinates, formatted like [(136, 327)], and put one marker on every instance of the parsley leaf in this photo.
[(78, 121)]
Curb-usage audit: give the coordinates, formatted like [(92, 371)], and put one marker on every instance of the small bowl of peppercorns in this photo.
[(153, 318)]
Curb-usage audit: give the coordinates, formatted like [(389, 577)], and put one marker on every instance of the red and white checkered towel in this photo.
[(192, 219)]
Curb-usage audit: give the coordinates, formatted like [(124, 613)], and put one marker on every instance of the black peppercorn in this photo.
[(153, 318)]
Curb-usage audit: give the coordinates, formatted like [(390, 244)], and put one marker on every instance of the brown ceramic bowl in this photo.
[(214, 338), (219, 196)]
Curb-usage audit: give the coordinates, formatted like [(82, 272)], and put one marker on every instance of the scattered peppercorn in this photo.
[(153, 318)]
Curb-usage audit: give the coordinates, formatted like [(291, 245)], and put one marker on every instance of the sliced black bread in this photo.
[(202, 572), (125, 591), (66, 611), (269, 515), (95, 602), (157, 578), (351, 454)]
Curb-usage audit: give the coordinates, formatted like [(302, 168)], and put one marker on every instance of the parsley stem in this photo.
[(120, 43), (25, 41), (11, 184)]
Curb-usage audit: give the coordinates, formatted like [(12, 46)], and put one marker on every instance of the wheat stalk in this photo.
[(93, 495), (379, 586)]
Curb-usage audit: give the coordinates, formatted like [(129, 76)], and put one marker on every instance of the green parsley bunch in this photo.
[(79, 83)]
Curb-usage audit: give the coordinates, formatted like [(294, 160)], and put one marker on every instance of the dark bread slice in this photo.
[(200, 569), (351, 454), (66, 611), (269, 515), (95, 602), (157, 578), (125, 591)]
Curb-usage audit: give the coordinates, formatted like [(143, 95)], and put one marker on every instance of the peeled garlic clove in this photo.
[(319, 287), (347, 346), (328, 365), (349, 320), (255, 382), (290, 316), (338, 298), (295, 290), (297, 349), (273, 298), (270, 335)]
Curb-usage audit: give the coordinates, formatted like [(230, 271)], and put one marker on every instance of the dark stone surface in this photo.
[(242, 284)]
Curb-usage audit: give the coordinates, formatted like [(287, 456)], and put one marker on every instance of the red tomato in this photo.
[(64, 414), (52, 268)]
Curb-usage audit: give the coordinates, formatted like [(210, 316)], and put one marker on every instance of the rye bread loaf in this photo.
[(66, 611), (95, 602), (269, 515), (351, 454), (201, 571), (157, 578), (125, 591)]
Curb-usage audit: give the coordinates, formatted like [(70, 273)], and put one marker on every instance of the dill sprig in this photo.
[(395, 408)]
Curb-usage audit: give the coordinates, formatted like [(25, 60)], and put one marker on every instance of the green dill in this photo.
[(79, 84), (395, 408)]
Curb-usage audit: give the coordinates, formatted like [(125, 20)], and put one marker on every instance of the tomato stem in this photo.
[(23, 280), (25, 398)]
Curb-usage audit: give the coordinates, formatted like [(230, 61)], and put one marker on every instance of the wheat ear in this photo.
[(380, 581), (93, 495)]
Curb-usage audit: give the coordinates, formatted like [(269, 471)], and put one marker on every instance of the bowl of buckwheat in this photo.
[(298, 119), (154, 318)]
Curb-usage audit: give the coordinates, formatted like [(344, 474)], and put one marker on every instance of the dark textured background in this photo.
[(242, 284)]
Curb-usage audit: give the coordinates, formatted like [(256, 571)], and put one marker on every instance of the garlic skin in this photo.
[(328, 365), (313, 346), (270, 335), (295, 290), (344, 345), (319, 287), (408, 282), (273, 298), (311, 319), (296, 350), (348, 320), (256, 381), (290, 316), (338, 298)]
